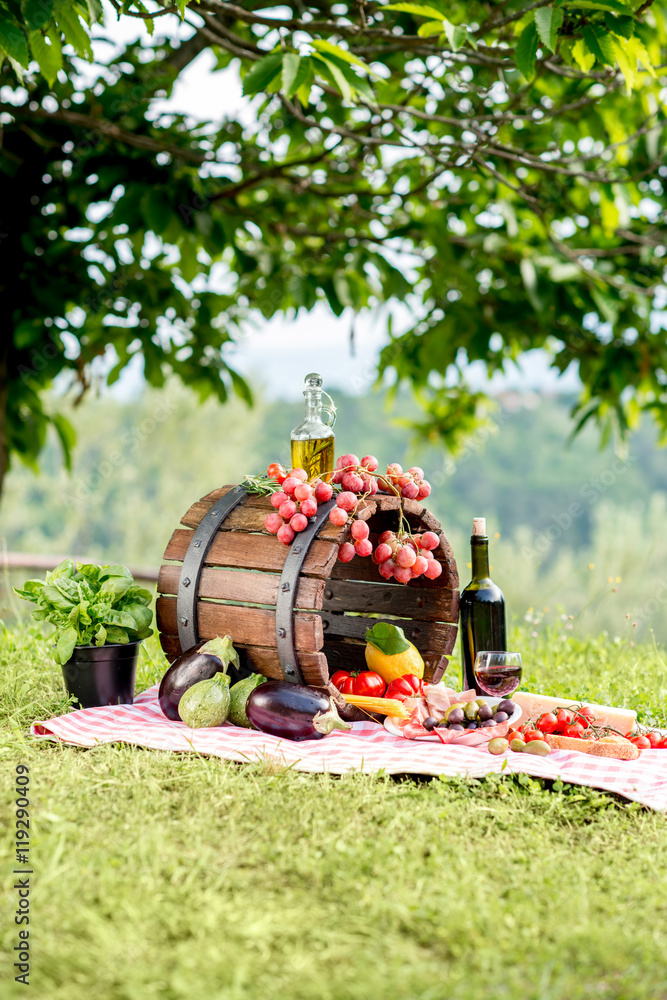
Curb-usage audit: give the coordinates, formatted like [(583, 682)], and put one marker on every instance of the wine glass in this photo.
[(497, 673)]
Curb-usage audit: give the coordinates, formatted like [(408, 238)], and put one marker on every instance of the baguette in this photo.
[(621, 750)]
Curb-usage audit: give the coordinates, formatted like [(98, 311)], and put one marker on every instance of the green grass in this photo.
[(173, 877)]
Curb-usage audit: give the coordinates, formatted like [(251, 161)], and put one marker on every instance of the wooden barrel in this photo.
[(241, 582)]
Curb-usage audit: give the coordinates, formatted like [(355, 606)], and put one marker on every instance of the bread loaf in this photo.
[(620, 749)]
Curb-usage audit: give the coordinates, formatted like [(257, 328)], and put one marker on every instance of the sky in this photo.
[(279, 352)]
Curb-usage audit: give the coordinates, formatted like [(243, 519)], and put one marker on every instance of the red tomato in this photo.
[(531, 734), (343, 680), (276, 471), (369, 684), (574, 730), (662, 745), (563, 718), (641, 742), (407, 686), (514, 734), (547, 722), (654, 739), (586, 716)]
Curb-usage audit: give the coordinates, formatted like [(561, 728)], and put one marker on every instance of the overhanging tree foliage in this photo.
[(498, 167)]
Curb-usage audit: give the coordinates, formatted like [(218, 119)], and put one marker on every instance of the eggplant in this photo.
[(199, 663), (292, 711)]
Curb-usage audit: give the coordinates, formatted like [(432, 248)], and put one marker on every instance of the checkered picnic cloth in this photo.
[(367, 746)]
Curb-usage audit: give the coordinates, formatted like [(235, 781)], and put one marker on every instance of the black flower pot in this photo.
[(102, 675)]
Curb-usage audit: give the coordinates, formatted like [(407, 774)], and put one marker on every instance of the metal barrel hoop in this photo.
[(193, 564), (287, 588)]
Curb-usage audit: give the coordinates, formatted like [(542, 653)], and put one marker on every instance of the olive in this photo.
[(430, 722), (506, 705), (497, 746), (539, 747), (484, 712), (456, 726), (488, 722), (470, 711), (455, 715), (501, 717), (471, 725), (455, 708), (517, 745), (480, 701)]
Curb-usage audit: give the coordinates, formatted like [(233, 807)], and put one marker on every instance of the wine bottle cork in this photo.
[(479, 526)]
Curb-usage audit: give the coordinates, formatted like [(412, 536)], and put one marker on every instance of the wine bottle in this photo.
[(482, 608)]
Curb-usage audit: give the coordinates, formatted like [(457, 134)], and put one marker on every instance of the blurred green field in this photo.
[(177, 877), (581, 532)]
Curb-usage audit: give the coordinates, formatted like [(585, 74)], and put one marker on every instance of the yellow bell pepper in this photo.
[(390, 654)]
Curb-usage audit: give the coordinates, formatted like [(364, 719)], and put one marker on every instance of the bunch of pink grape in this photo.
[(295, 502), (412, 484), (401, 557)]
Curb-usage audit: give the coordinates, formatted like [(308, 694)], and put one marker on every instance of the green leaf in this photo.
[(335, 50), (13, 41), (456, 34), (636, 49), (73, 30), (290, 74), (65, 644), (66, 434), (430, 28), (526, 51), (583, 57), (389, 639), (262, 73), (611, 5), (548, 21), (37, 13), (623, 26), (47, 53), (418, 9), (338, 78), (600, 43), (95, 11)]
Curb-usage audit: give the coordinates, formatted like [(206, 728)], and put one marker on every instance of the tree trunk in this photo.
[(4, 393)]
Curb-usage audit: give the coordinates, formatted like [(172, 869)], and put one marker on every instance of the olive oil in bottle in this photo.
[(313, 439), (482, 608)]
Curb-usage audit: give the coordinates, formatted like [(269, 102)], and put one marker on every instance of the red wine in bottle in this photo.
[(482, 608)]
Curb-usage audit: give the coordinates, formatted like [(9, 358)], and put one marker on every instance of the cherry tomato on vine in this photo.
[(662, 745), (547, 722), (531, 734), (641, 742), (276, 471), (586, 716), (563, 718), (654, 739), (574, 730)]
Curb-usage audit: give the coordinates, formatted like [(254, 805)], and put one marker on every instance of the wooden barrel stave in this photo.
[(243, 566)]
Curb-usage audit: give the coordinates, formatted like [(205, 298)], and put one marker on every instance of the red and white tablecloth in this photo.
[(367, 746)]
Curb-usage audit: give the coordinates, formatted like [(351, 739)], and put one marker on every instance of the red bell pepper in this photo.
[(366, 683), (407, 686)]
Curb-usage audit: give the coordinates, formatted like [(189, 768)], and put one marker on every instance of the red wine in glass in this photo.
[(497, 674)]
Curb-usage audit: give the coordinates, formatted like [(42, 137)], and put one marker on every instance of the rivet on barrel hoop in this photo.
[(282, 633), (285, 588), (186, 582), (184, 621)]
